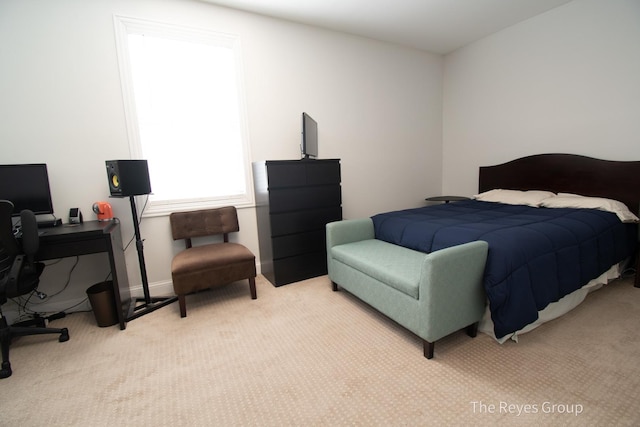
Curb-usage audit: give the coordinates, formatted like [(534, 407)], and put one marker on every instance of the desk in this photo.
[(91, 237)]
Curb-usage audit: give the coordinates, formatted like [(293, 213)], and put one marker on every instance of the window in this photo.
[(185, 114)]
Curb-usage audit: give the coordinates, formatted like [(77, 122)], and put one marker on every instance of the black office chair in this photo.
[(19, 275)]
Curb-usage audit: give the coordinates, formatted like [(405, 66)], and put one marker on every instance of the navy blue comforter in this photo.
[(536, 255)]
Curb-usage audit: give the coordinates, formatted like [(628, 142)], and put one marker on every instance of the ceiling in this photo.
[(438, 26)]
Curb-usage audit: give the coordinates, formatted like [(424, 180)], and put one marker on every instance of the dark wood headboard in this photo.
[(568, 173)]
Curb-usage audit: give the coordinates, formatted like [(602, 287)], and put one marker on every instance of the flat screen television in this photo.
[(309, 144), (27, 187)]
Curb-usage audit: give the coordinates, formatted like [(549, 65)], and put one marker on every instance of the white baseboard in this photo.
[(156, 289)]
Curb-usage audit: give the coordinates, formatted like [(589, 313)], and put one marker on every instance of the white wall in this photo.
[(379, 109), (564, 81)]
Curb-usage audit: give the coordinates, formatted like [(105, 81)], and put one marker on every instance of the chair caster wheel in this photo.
[(5, 372), (64, 335)]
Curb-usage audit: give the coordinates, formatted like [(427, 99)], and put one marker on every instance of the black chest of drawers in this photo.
[(295, 199)]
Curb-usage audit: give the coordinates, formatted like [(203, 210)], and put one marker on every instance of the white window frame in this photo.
[(127, 25)]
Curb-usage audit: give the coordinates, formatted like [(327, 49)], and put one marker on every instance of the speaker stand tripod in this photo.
[(148, 304)]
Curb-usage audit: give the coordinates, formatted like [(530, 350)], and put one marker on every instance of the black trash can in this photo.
[(103, 303)]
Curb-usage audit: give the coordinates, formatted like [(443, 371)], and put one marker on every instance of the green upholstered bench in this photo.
[(432, 295)]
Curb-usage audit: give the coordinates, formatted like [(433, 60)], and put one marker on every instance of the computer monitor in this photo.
[(27, 187), (309, 144)]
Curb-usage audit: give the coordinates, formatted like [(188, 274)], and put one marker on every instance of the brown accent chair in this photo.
[(213, 264)]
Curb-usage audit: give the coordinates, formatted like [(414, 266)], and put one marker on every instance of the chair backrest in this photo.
[(205, 222), (30, 236), (19, 274), (8, 245)]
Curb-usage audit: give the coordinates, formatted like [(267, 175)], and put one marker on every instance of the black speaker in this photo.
[(128, 177)]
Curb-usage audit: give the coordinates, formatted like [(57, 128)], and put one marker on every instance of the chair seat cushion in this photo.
[(394, 265), (210, 257)]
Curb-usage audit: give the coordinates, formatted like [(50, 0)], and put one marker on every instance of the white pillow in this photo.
[(514, 197), (567, 200)]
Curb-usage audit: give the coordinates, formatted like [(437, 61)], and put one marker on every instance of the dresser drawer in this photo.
[(303, 221), (302, 173), (298, 244), (301, 267), (301, 198)]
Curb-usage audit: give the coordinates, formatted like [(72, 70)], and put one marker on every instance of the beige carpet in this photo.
[(304, 355)]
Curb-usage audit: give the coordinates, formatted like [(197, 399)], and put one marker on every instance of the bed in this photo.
[(544, 254)]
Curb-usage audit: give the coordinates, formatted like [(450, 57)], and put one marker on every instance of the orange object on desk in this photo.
[(103, 210)]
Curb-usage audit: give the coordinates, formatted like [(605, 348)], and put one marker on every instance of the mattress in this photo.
[(536, 255)]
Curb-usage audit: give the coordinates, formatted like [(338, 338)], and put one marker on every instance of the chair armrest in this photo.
[(349, 231), (455, 269), (11, 280), (451, 287)]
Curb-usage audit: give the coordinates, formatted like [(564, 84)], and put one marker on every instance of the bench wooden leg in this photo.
[(472, 330), (428, 349)]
